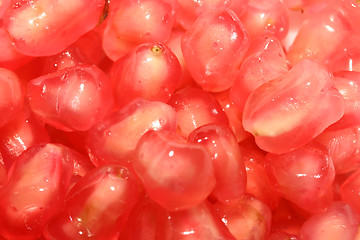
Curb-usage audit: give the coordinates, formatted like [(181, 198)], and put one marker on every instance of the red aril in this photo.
[(350, 190), (20, 134), (303, 176), (302, 101), (3, 174), (283, 236), (258, 185), (150, 71), (248, 219), (72, 99), (10, 58), (198, 222), (144, 222), (348, 84), (343, 146), (214, 54), (234, 115), (174, 43), (90, 44), (265, 60), (114, 139), (97, 206), (286, 219), (11, 96), (175, 173), (339, 221), (133, 22), (266, 17), (43, 28), (190, 10), (229, 168), (194, 108), (37, 183), (70, 57), (319, 36)]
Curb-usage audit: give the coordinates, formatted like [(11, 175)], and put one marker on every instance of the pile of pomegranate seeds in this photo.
[(180, 119)]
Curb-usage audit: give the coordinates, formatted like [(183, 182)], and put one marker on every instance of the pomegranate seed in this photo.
[(213, 54), (72, 99), (199, 222), (329, 26), (11, 100), (248, 219), (303, 100), (350, 190), (149, 71), (234, 115), (265, 60), (264, 16), (303, 176), (229, 168), (20, 134), (43, 28), (35, 192), (114, 139), (196, 108), (176, 174), (133, 22), (257, 185), (344, 148), (340, 221), (115, 187)]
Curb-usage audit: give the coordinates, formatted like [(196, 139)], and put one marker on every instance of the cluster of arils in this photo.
[(179, 119)]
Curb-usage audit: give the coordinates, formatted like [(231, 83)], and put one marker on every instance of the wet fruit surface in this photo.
[(179, 119)]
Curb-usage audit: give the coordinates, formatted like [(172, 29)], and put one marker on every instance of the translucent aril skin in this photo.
[(328, 26), (176, 174), (234, 115), (286, 113), (350, 190), (266, 17), (198, 222), (10, 58), (174, 43), (3, 174), (37, 183), (144, 222), (303, 176), (343, 146), (70, 57), (248, 219), (190, 10), (194, 108), (213, 54), (90, 44), (115, 138), (4, 4), (348, 84), (339, 221), (11, 96), (257, 185), (351, 8), (265, 60), (287, 219), (150, 71), (283, 236), (229, 168), (134, 22), (97, 206), (20, 134), (73, 99), (43, 28)]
